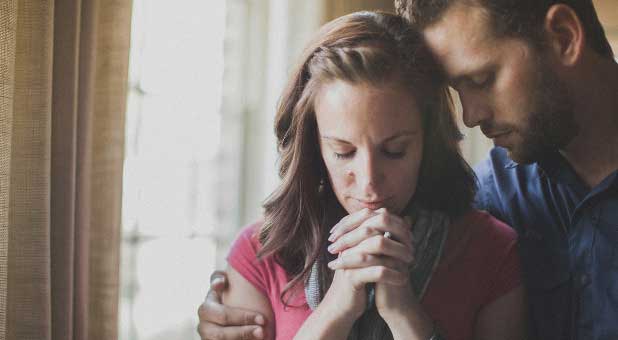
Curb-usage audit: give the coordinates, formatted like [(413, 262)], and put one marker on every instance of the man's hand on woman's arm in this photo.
[(219, 322)]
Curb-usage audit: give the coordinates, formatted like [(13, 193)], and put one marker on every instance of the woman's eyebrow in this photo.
[(335, 139), (401, 134), (404, 133)]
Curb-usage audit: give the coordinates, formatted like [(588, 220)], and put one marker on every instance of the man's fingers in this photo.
[(215, 312), (218, 283), (208, 331), (213, 295), (218, 280)]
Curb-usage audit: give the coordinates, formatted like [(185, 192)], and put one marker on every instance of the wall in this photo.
[(608, 14)]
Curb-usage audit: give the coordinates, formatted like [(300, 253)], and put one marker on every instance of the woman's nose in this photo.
[(368, 174)]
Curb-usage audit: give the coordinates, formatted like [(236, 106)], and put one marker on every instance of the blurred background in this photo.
[(204, 78)]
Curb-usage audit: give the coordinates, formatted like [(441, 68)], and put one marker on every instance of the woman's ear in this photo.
[(564, 33)]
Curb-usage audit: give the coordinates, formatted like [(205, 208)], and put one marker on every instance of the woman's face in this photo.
[(371, 140)]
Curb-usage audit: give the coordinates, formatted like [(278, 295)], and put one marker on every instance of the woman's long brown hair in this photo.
[(378, 49)]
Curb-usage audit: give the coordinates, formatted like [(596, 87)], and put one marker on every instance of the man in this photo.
[(539, 78)]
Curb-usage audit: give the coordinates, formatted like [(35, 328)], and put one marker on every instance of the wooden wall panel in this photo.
[(608, 14), (334, 9)]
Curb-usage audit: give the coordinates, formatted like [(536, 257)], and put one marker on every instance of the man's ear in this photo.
[(564, 33)]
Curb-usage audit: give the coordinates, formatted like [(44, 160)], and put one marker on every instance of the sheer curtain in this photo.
[(63, 69), (263, 40)]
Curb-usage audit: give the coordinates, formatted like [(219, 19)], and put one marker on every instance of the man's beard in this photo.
[(551, 124)]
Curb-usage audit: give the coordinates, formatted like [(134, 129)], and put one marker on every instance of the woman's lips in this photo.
[(373, 205)]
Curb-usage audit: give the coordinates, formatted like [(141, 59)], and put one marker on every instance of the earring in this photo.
[(321, 185)]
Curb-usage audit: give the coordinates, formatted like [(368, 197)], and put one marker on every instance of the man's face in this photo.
[(505, 85)]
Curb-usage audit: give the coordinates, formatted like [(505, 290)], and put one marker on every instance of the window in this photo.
[(200, 150), (172, 166)]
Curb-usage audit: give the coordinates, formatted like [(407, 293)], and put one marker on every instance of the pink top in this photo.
[(481, 264)]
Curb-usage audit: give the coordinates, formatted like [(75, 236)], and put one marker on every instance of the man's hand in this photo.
[(218, 322)]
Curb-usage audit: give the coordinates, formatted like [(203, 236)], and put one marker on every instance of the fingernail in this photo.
[(332, 248), (259, 319), (332, 237), (332, 264), (258, 333), (333, 228)]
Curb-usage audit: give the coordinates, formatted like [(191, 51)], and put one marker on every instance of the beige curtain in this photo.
[(63, 75)]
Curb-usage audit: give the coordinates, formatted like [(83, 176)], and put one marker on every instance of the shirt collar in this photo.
[(554, 166), (550, 163)]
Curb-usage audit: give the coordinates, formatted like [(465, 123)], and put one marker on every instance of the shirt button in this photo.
[(533, 234), (584, 280)]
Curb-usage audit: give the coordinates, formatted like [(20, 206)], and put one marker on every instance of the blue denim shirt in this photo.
[(568, 242)]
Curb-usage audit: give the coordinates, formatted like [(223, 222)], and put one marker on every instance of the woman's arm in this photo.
[(327, 322), (504, 318), (242, 294), (412, 323)]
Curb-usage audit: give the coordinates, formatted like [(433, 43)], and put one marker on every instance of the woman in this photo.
[(370, 234)]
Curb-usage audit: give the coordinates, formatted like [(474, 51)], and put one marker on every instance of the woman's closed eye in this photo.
[(344, 155), (396, 149), (394, 154)]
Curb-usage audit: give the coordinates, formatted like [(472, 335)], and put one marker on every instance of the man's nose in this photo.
[(474, 110)]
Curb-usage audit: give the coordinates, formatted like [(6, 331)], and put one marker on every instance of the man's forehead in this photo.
[(460, 22), (461, 39)]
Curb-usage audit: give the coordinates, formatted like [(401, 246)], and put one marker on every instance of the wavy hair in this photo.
[(378, 49)]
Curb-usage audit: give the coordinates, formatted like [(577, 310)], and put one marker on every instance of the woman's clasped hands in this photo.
[(367, 256)]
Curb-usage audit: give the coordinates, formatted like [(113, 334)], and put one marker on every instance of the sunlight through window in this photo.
[(173, 139)]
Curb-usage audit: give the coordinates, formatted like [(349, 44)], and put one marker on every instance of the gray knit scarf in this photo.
[(429, 230)]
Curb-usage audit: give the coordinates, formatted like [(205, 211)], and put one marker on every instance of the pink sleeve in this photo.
[(506, 273), (243, 258)]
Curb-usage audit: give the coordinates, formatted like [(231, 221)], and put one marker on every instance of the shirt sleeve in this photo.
[(243, 258), (504, 266), (486, 198)]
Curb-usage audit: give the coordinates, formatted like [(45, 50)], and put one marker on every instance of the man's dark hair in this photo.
[(517, 18)]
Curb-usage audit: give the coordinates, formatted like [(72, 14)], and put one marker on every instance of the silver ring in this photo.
[(388, 235)]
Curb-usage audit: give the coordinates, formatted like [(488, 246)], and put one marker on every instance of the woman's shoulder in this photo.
[(477, 234), (251, 231), (247, 238), (483, 227)]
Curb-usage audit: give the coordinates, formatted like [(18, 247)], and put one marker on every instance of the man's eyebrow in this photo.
[(469, 72)]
